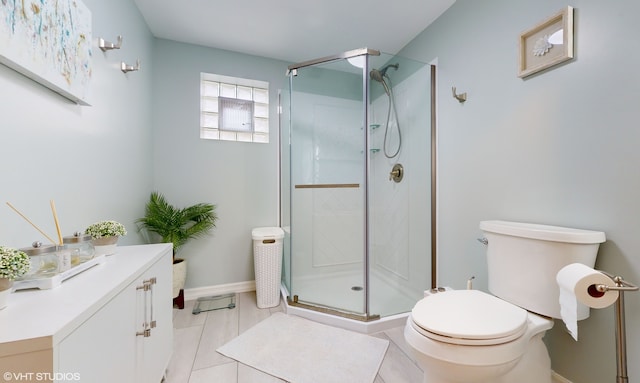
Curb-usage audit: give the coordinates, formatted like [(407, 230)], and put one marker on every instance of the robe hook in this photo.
[(462, 97), (106, 45), (129, 68)]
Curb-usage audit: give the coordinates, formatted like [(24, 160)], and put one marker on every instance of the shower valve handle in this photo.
[(396, 173)]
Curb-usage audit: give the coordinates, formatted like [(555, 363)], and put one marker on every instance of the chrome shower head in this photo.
[(375, 74), (379, 75)]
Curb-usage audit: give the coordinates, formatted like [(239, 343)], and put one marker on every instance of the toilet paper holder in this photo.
[(621, 284), (621, 342)]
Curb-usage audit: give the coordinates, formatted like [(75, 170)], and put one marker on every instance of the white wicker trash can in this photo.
[(267, 262)]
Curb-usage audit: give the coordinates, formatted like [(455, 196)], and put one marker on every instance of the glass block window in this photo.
[(234, 109)]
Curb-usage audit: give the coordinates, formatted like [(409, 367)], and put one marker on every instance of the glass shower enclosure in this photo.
[(355, 184)]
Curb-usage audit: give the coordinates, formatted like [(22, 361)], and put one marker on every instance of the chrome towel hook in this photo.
[(106, 45), (129, 68), (462, 97)]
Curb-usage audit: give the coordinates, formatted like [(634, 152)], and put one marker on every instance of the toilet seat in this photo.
[(468, 317)]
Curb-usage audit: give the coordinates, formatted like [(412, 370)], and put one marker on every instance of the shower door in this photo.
[(357, 241), (327, 186), (399, 212)]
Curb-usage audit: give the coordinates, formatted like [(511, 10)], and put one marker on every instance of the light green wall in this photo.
[(558, 148), (94, 161), (240, 178)]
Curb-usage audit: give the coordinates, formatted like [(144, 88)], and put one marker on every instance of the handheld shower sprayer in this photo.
[(380, 75)]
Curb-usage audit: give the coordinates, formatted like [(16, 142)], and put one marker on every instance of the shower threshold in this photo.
[(332, 311)]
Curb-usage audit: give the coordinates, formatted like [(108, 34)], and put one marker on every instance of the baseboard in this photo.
[(239, 287), (557, 378)]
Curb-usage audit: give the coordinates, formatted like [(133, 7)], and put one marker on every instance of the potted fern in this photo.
[(177, 226)]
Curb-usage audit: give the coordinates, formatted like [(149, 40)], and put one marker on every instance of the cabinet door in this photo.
[(154, 351), (102, 349)]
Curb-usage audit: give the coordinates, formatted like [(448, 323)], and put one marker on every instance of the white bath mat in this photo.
[(302, 351)]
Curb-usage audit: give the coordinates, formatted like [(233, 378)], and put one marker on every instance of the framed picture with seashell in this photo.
[(547, 44)]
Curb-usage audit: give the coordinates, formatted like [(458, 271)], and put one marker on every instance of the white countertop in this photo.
[(45, 317)]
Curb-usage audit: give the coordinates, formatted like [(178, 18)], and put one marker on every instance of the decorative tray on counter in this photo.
[(57, 279)]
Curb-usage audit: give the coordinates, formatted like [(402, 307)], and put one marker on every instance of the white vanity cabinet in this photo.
[(112, 323)]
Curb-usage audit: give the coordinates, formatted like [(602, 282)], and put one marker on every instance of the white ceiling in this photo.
[(292, 31)]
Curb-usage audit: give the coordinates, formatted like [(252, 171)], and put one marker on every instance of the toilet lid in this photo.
[(468, 317)]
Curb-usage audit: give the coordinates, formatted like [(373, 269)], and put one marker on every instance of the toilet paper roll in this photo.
[(577, 284)]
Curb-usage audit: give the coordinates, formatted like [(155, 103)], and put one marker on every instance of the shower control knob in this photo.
[(396, 173)]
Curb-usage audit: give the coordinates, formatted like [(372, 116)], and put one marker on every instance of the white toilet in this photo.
[(468, 336)]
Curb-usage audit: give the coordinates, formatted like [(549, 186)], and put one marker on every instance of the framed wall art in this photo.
[(49, 42), (547, 44)]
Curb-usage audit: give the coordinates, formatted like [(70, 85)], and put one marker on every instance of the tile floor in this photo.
[(196, 338)]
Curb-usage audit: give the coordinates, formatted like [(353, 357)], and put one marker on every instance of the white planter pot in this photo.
[(179, 276), (5, 290), (105, 245)]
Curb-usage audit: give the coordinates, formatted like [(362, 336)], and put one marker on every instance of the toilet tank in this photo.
[(523, 260)]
